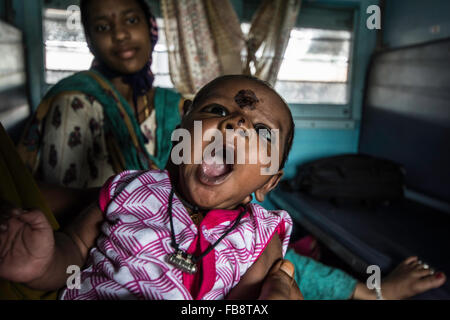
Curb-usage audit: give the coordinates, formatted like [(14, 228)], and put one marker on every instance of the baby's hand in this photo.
[(410, 278), (26, 244)]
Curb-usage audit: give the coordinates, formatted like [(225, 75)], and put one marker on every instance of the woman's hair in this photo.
[(84, 4), (206, 89)]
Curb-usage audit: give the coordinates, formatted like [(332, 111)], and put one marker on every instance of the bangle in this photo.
[(378, 294)]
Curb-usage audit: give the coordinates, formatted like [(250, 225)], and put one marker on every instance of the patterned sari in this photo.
[(124, 139)]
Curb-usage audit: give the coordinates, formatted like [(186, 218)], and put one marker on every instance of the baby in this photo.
[(190, 232)]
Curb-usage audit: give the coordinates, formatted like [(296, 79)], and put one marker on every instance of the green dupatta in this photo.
[(127, 144)]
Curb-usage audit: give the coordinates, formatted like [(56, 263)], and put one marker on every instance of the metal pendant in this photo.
[(183, 261)]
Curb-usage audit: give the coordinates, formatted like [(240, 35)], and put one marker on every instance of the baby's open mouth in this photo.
[(214, 169)]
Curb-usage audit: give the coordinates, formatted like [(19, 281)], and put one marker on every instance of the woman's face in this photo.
[(119, 34)]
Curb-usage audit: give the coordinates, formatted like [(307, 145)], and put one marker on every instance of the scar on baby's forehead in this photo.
[(246, 98)]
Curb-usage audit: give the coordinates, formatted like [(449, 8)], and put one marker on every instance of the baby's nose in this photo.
[(236, 122), (240, 123)]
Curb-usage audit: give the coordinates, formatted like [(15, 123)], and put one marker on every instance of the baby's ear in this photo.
[(261, 193), (187, 106)]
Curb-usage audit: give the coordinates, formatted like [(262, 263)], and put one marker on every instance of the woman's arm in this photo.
[(85, 229), (249, 287), (66, 203)]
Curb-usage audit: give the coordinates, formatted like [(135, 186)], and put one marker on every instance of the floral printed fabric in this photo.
[(74, 152), (192, 58), (269, 34), (205, 40)]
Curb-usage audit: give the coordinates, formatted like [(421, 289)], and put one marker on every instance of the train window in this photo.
[(315, 66), (160, 66), (64, 43), (314, 70), (12, 65)]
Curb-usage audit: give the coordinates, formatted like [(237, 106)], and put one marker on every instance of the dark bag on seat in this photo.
[(353, 177)]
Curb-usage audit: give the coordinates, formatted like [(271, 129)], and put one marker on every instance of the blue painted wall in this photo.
[(27, 16), (310, 144), (404, 22), (410, 22), (34, 46)]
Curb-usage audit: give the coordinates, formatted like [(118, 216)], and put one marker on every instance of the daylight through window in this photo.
[(314, 70)]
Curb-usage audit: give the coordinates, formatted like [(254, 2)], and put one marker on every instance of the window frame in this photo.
[(327, 115), (343, 116)]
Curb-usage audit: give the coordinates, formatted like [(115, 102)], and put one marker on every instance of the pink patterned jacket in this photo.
[(130, 259)]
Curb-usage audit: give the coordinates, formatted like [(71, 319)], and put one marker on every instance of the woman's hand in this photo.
[(26, 244), (280, 284)]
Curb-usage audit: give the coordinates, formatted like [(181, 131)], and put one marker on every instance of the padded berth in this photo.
[(383, 235)]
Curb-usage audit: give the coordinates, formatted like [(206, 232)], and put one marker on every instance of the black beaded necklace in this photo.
[(181, 259)]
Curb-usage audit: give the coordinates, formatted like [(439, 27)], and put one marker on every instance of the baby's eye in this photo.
[(102, 27), (263, 131), (216, 109)]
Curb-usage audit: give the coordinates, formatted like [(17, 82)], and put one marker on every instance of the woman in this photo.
[(109, 119)]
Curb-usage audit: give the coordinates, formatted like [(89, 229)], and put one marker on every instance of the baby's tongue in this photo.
[(214, 166)]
